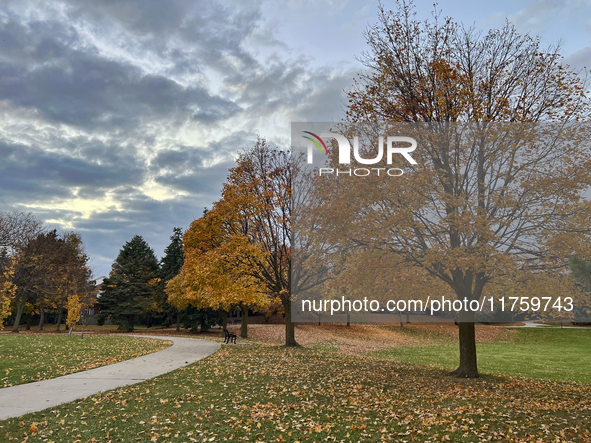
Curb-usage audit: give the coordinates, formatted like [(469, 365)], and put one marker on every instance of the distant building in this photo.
[(92, 309)]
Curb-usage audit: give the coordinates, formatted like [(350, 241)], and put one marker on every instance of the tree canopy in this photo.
[(490, 187), (238, 253), (17, 229), (581, 272), (47, 270)]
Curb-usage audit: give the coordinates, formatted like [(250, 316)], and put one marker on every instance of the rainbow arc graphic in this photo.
[(316, 142)]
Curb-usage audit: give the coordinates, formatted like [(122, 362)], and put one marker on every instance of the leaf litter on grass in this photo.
[(267, 393), (361, 339)]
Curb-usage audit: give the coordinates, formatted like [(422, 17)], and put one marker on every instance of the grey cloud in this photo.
[(95, 93), (104, 234), (200, 171), (202, 182), (36, 42), (580, 59), (45, 66), (271, 84), (186, 158), (326, 95), (33, 173), (536, 14), (292, 89), (111, 94), (205, 31)]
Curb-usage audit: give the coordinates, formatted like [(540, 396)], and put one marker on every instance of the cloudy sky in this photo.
[(122, 117)]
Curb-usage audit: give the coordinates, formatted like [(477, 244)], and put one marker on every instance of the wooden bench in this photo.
[(229, 337)]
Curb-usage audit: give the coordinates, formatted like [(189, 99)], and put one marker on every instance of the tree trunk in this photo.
[(468, 367), (126, 324), (289, 326), (224, 322), (467, 334), (59, 320), (29, 321), (244, 325), (178, 320), (407, 317), (348, 319), (400, 318), (19, 312), (204, 325), (41, 316)]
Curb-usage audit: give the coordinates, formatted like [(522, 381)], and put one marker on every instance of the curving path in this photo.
[(31, 397), (532, 324)]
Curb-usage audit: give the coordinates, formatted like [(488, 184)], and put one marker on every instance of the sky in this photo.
[(122, 118)]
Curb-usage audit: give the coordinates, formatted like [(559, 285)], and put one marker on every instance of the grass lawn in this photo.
[(269, 393), (31, 357), (552, 353), (50, 328)]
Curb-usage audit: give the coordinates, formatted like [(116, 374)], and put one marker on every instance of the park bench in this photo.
[(229, 337)]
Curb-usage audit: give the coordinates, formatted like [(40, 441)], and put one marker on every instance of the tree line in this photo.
[(500, 180), (134, 294), (501, 175), (236, 256), (41, 271)]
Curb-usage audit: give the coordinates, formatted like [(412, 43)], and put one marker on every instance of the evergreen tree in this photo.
[(173, 259), (130, 288), (170, 266), (581, 272)]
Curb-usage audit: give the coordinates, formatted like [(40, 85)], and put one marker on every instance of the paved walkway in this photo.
[(22, 399), (531, 324)]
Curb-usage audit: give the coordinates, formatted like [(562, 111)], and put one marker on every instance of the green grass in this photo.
[(556, 354), (267, 393), (50, 328), (326, 345), (27, 358)]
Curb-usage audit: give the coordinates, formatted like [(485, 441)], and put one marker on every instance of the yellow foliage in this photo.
[(7, 292), (73, 306), (217, 272), (238, 252), (502, 163)]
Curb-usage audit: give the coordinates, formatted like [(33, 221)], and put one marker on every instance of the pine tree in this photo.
[(130, 288), (173, 259), (170, 266), (581, 272)]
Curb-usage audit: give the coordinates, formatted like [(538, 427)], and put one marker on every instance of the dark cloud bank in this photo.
[(122, 118)]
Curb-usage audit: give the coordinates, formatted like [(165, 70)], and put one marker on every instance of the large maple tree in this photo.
[(238, 253), (501, 174)]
